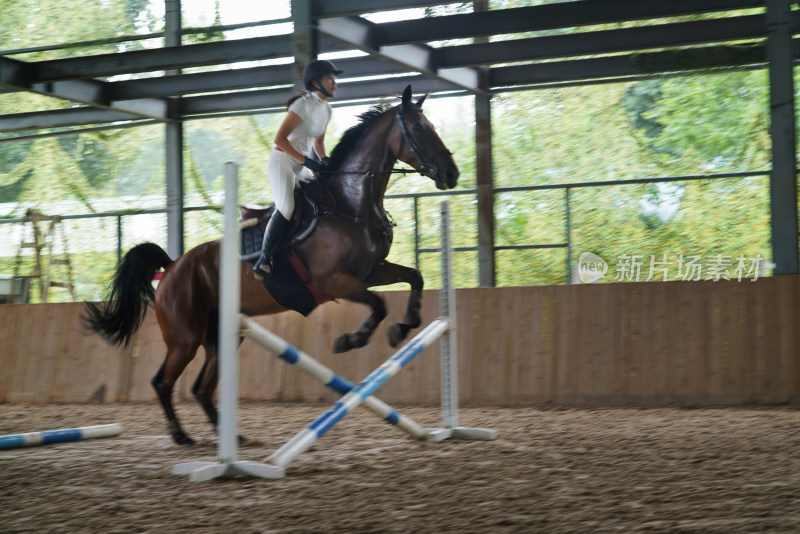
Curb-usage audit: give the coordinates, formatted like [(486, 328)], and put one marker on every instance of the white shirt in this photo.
[(315, 113)]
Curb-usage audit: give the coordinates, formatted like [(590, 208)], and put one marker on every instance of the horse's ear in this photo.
[(406, 99), (407, 94), (421, 100)]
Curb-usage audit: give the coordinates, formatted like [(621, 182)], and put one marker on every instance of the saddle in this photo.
[(312, 200), (290, 284)]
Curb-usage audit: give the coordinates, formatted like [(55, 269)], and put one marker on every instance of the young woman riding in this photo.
[(302, 130)]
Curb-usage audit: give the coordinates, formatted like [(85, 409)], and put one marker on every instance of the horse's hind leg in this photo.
[(206, 383), (164, 383), (386, 273)]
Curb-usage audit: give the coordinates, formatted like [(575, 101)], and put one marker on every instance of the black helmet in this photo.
[(316, 70)]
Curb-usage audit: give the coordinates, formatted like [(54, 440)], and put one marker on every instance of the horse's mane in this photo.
[(351, 136)]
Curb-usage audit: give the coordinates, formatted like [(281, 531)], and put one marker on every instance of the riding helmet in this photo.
[(316, 70)]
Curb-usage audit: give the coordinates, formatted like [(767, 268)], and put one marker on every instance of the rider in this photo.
[(302, 130)]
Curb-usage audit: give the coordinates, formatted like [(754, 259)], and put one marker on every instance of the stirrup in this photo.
[(263, 266)]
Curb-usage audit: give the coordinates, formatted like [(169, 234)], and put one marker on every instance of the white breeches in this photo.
[(284, 173)]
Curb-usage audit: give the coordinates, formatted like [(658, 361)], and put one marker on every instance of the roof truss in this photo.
[(397, 53)]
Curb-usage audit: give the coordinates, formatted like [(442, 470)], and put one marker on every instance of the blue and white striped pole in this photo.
[(306, 437), (29, 439), (330, 379)]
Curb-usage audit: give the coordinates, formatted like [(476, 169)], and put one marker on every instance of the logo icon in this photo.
[(591, 268)]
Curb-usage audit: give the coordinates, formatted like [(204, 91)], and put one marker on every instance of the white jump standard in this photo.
[(449, 351)]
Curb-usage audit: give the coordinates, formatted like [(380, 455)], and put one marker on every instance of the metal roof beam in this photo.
[(13, 74), (651, 8), (355, 31), (84, 91), (202, 82), (638, 65), (366, 36), (367, 66), (607, 41), (393, 86), (17, 74), (242, 100), (276, 98), (234, 79), (154, 108), (546, 17), (62, 118), (174, 57), (346, 8)]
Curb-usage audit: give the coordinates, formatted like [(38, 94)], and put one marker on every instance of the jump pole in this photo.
[(306, 437), (326, 376), (45, 437)]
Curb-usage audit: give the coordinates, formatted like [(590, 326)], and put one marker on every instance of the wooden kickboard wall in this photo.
[(643, 344)]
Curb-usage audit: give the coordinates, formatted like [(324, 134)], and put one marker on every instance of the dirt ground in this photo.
[(549, 470)]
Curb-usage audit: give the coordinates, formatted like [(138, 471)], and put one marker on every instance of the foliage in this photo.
[(678, 127)]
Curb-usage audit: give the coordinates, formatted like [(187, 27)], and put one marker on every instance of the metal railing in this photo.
[(567, 188), (415, 198), (118, 215)]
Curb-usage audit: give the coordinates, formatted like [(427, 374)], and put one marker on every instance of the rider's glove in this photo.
[(314, 165)]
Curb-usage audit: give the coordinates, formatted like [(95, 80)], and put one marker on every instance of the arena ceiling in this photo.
[(483, 52)]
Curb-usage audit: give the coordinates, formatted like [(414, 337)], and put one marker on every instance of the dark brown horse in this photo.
[(345, 256)]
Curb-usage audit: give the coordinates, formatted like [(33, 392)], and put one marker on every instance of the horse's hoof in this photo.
[(342, 344), (183, 440), (241, 439), (397, 333)]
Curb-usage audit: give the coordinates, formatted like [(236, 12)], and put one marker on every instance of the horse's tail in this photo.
[(118, 318)]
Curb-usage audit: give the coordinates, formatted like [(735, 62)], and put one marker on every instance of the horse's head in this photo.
[(420, 146)]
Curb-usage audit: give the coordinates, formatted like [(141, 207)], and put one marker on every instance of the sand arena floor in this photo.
[(552, 470)]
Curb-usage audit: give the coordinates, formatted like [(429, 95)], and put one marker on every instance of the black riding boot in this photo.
[(276, 229)]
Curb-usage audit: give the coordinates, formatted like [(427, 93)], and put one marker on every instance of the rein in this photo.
[(364, 173)]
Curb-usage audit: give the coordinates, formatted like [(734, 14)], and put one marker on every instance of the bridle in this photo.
[(426, 168)]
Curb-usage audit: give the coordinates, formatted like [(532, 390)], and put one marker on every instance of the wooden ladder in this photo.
[(43, 233)]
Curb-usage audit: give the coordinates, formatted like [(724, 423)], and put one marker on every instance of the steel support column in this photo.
[(485, 187), (304, 40), (483, 168), (174, 142), (783, 179)]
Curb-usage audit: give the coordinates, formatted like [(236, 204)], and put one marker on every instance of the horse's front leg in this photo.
[(360, 337), (386, 273)]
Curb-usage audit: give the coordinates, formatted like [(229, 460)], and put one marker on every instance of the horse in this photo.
[(345, 256)]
